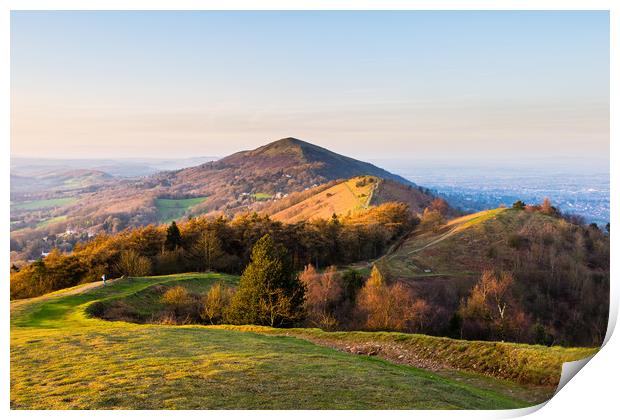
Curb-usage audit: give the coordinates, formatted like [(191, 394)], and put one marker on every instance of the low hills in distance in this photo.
[(284, 171)]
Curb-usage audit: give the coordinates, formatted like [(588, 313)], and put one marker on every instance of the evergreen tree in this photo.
[(269, 293), (173, 236)]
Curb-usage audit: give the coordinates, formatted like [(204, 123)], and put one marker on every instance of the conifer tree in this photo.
[(269, 293), (173, 236)]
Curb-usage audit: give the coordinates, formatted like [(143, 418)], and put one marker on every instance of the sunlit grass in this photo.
[(62, 358), (43, 204), (262, 196), (51, 221)]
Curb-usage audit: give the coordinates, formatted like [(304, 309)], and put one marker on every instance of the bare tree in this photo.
[(132, 264)]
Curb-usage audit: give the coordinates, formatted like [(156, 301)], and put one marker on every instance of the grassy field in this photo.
[(343, 198), (171, 209), (51, 221), (520, 363), (44, 204), (62, 358), (262, 196)]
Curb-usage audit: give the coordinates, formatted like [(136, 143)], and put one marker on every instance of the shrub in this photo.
[(386, 307), (547, 208), (132, 264), (431, 219), (215, 303), (517, 241), (178, 299)]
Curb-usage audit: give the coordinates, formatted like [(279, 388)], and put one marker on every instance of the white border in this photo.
[(592, 394)]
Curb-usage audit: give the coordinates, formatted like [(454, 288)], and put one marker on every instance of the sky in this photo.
[(467, 86)]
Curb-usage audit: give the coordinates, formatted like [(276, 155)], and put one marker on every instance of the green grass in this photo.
[(43, 204), (171, 209), (51, 221), (262, 196), (521, 363), (61, 358)]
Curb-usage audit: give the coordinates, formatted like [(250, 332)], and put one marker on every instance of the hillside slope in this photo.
[(90, 363), (320, 163), (232, 184), (346, 197), (352, 197), (560, 270)]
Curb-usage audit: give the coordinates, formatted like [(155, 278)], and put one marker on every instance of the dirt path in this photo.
[(436, 241), (16, 304)]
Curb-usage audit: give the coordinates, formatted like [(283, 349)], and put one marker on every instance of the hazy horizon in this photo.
[(393, 164), (459, 86)]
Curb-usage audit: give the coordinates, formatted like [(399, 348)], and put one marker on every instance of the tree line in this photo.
[(219, 244)]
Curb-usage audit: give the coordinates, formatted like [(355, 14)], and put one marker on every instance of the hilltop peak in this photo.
[(287, 140), (288, 144), (292, 153)]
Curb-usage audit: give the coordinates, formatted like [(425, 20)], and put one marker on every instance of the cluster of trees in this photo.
[(271, 293), (347, 300), (221, 244)]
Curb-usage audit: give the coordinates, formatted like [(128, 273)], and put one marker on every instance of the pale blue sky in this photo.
[(469, 85)]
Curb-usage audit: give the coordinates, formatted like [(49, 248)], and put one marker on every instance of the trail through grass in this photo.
[(61, 358)]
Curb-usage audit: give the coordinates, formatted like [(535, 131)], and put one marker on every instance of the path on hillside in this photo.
[(469, 220), (362, 203), (436, 241), (18, 303)]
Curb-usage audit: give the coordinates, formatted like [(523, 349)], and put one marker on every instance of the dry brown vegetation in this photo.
[(385, 307), (560, 272), (345, 198)]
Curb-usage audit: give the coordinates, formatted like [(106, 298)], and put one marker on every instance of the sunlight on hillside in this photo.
[(345, 198)]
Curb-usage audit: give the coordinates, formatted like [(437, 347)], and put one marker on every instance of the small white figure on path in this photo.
[(103, 278)]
